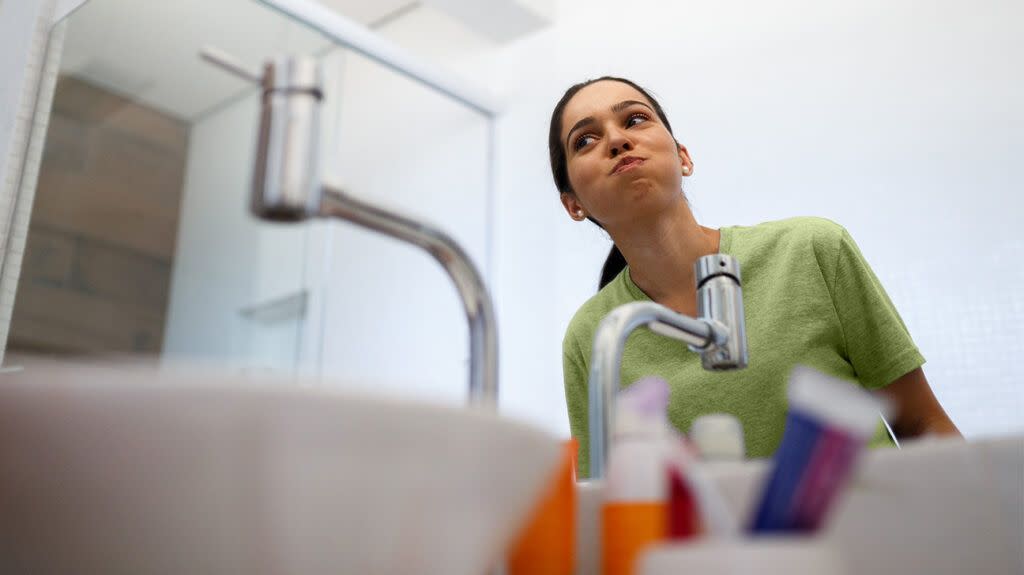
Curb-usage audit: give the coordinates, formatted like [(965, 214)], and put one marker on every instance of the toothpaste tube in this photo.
[(828, 424)]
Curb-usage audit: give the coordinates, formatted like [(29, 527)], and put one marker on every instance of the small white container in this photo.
[(756, 556), (718, 436)]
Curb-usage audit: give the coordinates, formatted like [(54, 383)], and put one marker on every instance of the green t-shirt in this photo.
[(809, 298)]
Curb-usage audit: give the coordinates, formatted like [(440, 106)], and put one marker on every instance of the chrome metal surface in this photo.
[(720, 300), (716, 265), (286, 176), (483, 336)]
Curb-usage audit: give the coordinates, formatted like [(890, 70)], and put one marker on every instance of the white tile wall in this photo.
[(29, 67)]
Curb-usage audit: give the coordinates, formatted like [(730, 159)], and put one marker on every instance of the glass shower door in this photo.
[(140, 240)]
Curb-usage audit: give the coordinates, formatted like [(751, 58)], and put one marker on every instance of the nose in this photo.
[(618, 141)]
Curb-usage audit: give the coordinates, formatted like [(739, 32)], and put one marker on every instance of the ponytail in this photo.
[(613, 265)]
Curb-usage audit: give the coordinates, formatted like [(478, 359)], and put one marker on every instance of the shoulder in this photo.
[(806, 246), (799, 236), (801, 229), (580, 333)]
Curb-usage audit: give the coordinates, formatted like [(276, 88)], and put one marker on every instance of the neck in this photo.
[(661, 255)]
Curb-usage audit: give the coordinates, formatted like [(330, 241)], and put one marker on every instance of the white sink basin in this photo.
[(125, 471)]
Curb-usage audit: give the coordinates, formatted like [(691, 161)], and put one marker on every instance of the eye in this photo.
[(581, 142), (636, 118)]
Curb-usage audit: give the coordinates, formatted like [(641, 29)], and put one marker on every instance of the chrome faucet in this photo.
[(719, 335), (286, 186)]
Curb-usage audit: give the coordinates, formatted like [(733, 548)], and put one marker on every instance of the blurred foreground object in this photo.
[(130, 470)]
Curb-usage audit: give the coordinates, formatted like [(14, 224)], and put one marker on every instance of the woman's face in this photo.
[(622, 161)]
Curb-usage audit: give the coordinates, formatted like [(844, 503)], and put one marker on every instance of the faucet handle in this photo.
[(285, 73), (286, 175), (230, 64), (720, 300), (713, 265)]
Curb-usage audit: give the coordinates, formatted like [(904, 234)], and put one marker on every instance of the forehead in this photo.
[(597, 99)]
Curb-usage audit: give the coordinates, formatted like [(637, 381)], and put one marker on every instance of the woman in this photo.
[(809, 295)]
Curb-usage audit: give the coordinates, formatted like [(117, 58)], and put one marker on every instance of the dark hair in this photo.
[(613, 266), (615, 262)]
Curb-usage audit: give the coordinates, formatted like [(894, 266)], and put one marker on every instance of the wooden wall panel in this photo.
[(96, 272)]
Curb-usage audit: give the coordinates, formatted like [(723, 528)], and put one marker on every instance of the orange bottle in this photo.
[(547, 545), (635, 512), (627, 530)]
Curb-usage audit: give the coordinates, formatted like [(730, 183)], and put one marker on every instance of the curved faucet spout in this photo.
[(719, 335), (286, 186), (483, 337)]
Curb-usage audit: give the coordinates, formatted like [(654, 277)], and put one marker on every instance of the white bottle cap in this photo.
[(718, 436), (640, 408)]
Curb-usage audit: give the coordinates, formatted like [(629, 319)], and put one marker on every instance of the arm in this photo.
[(917, 410), (879, 346), (576, 398)]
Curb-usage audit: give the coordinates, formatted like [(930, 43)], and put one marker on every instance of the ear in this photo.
[(685, 160), (573, 206)]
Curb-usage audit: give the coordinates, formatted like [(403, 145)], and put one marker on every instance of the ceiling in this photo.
[(148, 50)]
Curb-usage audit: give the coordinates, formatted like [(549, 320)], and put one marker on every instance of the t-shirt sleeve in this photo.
[(878, 344), (574, 372)]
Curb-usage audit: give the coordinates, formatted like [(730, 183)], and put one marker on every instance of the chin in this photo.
[(647, 198), (644, 189)]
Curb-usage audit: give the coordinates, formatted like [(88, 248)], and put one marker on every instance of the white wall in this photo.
[(898, 119), (22, 42), (30, 48)]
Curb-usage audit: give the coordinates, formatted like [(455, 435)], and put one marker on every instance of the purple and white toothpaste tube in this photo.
[(828, 423)]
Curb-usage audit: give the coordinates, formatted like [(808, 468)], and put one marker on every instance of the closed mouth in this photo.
[(627, 163)]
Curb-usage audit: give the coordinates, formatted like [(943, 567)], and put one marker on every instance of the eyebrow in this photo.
[(590, 119)]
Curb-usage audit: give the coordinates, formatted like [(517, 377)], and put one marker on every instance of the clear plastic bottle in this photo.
[(634, 514)]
